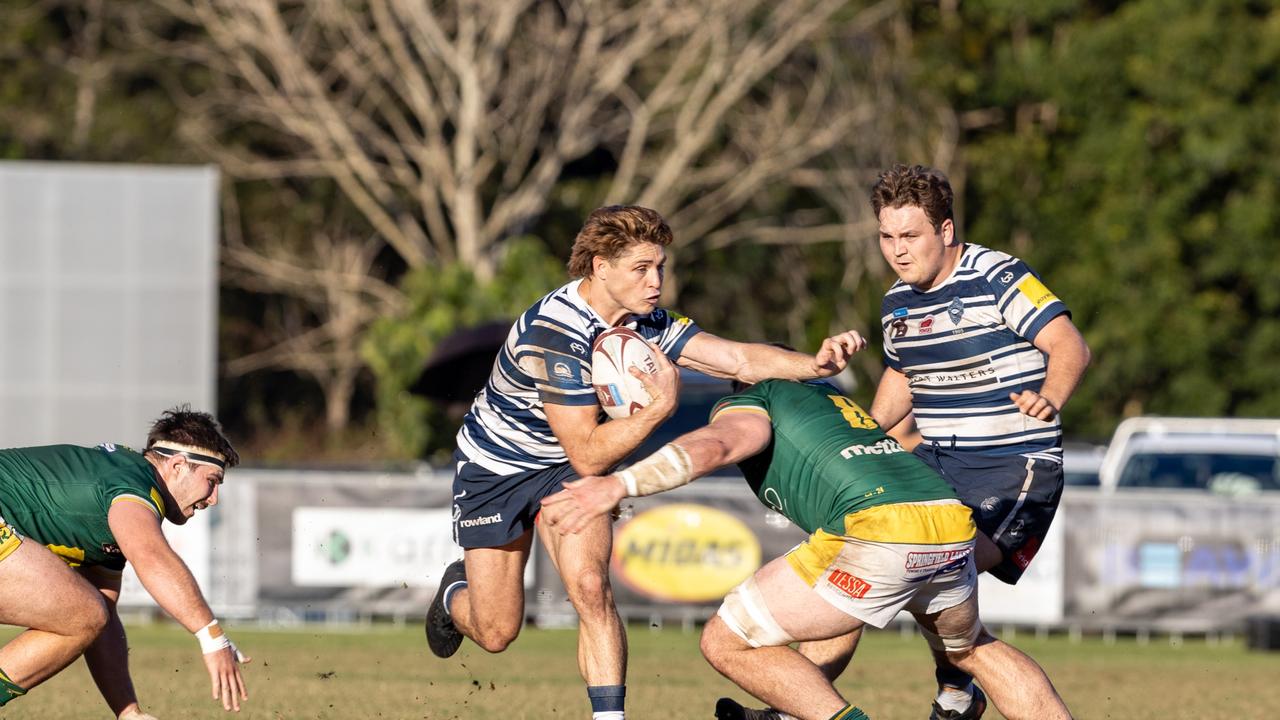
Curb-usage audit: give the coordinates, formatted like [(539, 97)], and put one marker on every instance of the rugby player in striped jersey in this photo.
[(537, 424), (984, 356)]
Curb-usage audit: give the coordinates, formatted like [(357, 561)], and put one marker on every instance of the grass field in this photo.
[(387, 672)]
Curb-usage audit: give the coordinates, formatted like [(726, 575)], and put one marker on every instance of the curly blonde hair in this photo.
[(610, 231)]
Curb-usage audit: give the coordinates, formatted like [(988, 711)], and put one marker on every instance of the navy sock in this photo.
[(607, 698), (952, 677)]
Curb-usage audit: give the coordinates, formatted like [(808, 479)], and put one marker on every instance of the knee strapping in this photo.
[(963, 642), (747, 615)]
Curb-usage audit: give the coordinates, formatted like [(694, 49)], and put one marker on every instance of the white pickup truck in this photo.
[(1224, 456)]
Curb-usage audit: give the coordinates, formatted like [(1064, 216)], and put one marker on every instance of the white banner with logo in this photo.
[(191, 542), (371, 547)]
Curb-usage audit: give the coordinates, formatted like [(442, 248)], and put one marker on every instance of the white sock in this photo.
[(609, 715), (956, 699), (448, 594)]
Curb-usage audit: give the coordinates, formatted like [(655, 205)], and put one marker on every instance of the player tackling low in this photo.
[(887, 534), (71, 517)]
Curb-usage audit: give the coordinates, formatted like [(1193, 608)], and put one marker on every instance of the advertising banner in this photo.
[(675, 555), (684, 552), (374, 547), (373, 543), (332, 542)]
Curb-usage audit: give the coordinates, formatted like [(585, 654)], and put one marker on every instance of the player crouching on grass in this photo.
[(887, 534), (71, 517)]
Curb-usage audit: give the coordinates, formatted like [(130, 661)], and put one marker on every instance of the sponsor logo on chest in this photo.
[(887, 446)]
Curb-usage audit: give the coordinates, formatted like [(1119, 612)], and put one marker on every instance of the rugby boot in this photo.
[(729, 709), (976, 707), (442, 635)]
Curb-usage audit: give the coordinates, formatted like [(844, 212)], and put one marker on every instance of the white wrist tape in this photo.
[(668, 468), (211, 638)]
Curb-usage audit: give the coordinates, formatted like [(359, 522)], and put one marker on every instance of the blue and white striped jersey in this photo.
[(547, 359), (965, 344)]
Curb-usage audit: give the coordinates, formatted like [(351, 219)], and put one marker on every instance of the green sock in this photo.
[(9, 689), (849, 712)]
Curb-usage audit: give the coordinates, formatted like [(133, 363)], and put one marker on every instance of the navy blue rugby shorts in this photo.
[(1013, 499), (492, 510)]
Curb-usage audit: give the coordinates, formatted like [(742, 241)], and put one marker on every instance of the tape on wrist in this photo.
[(211, 638), (668, 468)]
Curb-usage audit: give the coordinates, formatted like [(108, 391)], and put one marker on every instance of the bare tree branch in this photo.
[(448, 124)]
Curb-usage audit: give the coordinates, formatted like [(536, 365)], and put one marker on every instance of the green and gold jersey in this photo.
[(828, 458), (59, 495)]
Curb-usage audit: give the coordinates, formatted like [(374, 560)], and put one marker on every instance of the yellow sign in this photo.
[(1036, 292), (685, 552)]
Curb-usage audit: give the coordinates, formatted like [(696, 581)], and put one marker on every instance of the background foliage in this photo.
[(1125, 150)]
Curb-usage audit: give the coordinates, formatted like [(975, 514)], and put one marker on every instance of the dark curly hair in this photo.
[(188, 427), (924, 187)]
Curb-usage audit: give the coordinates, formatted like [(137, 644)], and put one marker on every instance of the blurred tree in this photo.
[(1127, 151), (437, 301), (74, 88), (321, 284), (448, 124), (449, 127), (69, 92)]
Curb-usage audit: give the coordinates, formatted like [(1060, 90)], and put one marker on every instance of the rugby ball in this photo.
[(614, 351)]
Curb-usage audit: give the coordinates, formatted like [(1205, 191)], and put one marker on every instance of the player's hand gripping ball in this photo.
[(615, 350)]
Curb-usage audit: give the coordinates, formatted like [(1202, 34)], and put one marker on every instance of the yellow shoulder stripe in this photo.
[(740, 408), (149, 504), (158, 500)]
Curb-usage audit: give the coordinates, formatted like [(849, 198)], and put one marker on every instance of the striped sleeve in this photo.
[(670, 330), (554, 358), (1022, 298)]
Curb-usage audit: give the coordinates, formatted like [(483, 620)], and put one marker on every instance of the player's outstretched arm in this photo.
[(169, 581), (728, 439), (753, 362)]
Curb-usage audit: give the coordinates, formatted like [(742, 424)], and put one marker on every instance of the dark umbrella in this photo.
[(461, 363)]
